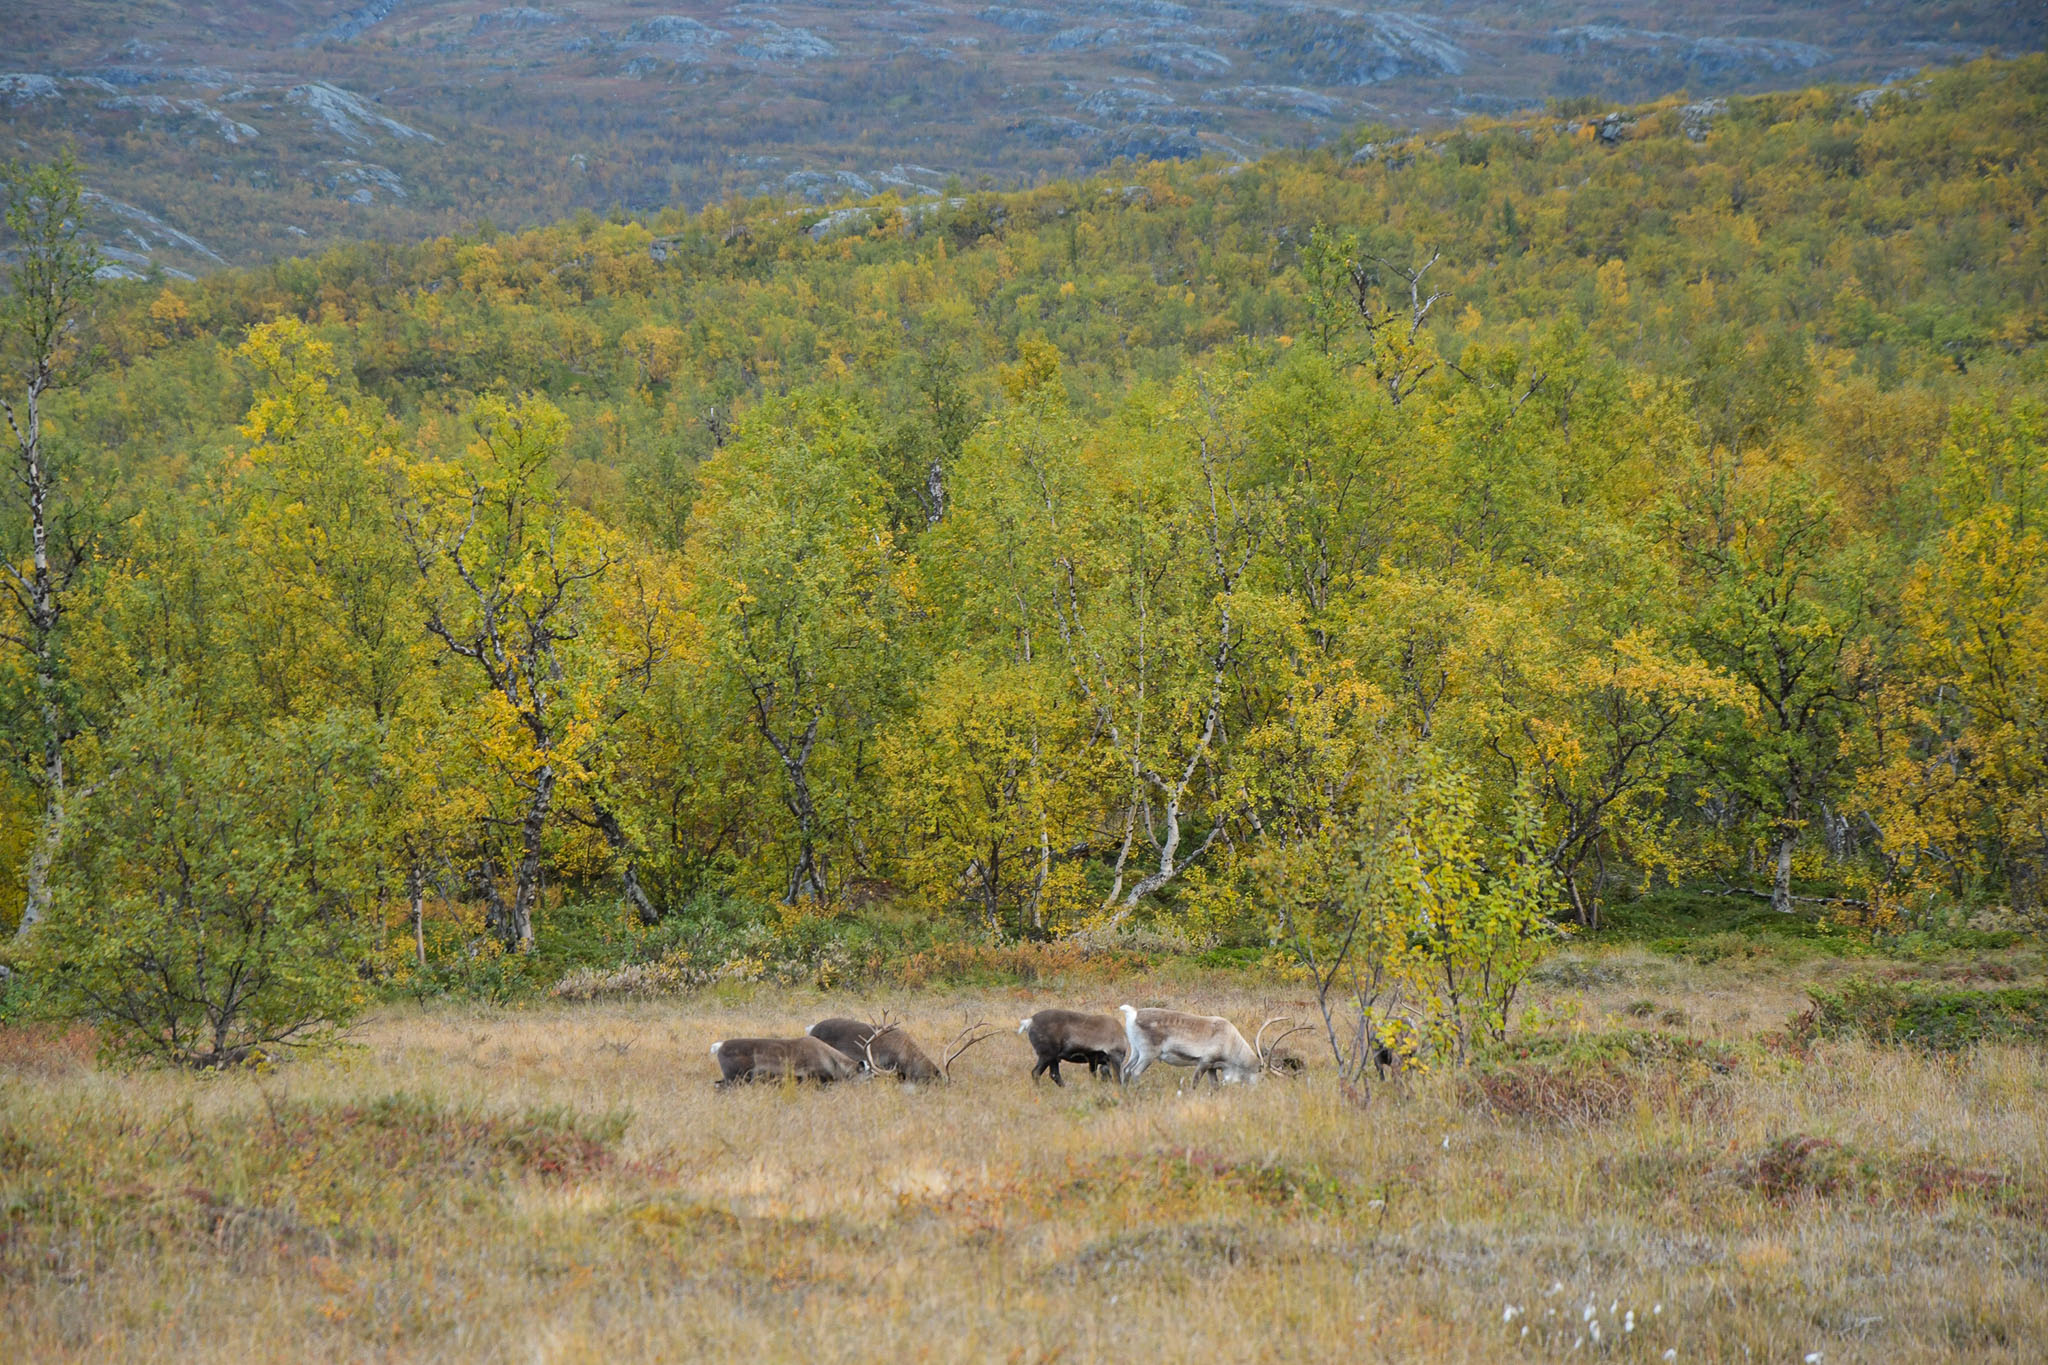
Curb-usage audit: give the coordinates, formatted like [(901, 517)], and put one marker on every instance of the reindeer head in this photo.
[(1268, 1061)]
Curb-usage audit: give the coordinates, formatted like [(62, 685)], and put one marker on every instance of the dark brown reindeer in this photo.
[(1071, 1036), (771, 1059), (1209, 1044), (887, 1048)]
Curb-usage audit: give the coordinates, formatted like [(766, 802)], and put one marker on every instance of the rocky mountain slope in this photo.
[(235, 131)]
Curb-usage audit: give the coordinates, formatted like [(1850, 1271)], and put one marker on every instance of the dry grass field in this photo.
[(563, 1183)]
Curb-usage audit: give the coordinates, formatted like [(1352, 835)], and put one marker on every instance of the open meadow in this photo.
[(1665, 1163)]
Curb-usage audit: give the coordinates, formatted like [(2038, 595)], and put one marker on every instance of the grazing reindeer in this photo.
[(1069, 1036), (877, 1047), (886, 1047), (1211, 1045), (771, 1059)]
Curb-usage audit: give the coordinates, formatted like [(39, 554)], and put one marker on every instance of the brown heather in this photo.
[(563, 1183)]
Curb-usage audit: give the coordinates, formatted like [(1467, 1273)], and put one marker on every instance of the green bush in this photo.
[(212, 903), (1926, 1016)]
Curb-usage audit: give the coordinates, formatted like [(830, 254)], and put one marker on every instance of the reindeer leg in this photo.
[(1055, 1073)]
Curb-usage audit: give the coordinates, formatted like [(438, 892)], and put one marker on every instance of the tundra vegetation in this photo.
[(1426, 597), (1672, 1152)]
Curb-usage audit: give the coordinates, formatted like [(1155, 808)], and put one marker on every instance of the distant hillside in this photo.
[(1898, 231), (238, 132)]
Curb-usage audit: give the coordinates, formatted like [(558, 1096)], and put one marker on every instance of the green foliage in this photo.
[(798, 588), (1417, 925), (1452, 535), (50, 265), (214, 901), (1478, 910), (47, 538), (1934, 1017)]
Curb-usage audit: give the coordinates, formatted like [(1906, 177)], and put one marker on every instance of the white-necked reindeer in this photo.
[(1211, 1045)]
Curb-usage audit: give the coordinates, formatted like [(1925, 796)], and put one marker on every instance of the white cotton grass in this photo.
[(1596, 1331)]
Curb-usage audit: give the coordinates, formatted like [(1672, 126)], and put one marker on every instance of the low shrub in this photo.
[(1924, 1015), (1570, 972), (1801, 1167), (1709, 927), (1642, 1047), (1953, 973), (762, 956), (47, 1050), (1570, 1095), (1583, 1079), (1797, 1167), (1188, 1178)]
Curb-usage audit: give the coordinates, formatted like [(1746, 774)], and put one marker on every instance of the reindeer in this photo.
[(886, 1047), (877, 1047), (768, 1059), (1069, 1036), (1211, 1045)]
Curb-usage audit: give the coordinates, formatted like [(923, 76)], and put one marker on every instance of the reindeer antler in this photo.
[(1258, 1040), (953, 1051), (1266, 1053), (867, 1044)]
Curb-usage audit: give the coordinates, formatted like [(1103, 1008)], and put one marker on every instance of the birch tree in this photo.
[(507, 570), (49, 287), (799, 591)]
